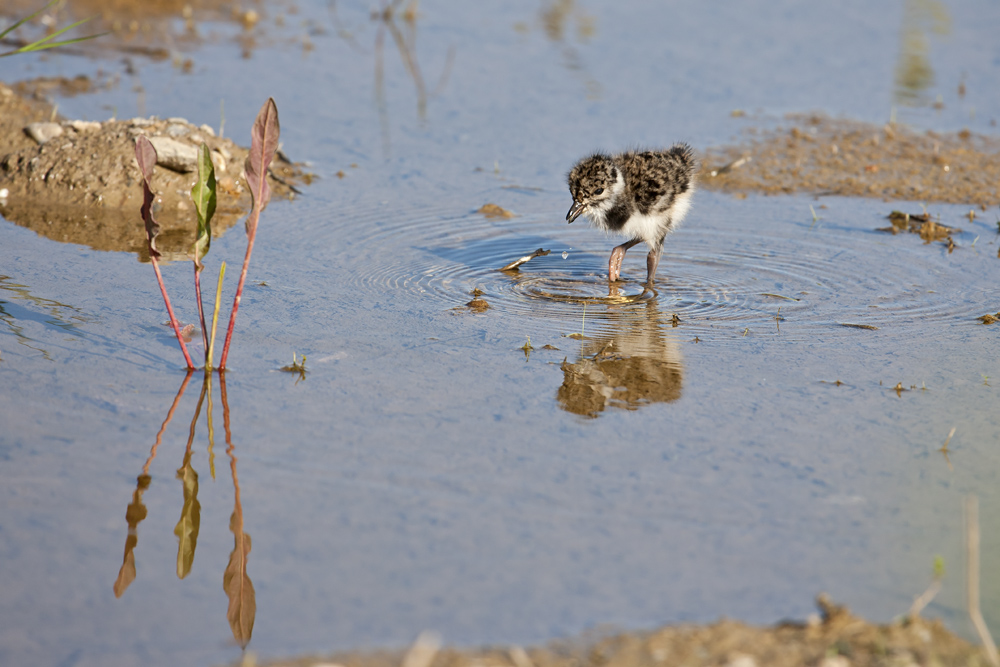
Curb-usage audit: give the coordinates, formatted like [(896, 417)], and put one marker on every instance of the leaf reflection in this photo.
[(236, 582)]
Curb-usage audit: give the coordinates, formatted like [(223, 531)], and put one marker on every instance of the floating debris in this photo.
[(477, 304), (494, 211), (780, 296), (869, 327), (989, 319), (735, 164), (513, 266), (296, 367), (921, 224)]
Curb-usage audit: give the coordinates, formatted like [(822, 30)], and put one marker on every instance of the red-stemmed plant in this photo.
[(263, 145), (145, 156)]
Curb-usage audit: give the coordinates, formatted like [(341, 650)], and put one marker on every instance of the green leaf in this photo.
[(204, 197)]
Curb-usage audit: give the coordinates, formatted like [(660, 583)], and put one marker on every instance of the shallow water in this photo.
[(427, 472)]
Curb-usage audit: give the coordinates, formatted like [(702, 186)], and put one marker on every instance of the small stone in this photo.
[(84, 125), (178, 119), (835, 661), (218, 161), (742, 660), (175, 155), (177, 130), (207, 129), (43, 132), (141, 122)]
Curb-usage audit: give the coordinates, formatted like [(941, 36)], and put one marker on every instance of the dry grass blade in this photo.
[(972, 579)]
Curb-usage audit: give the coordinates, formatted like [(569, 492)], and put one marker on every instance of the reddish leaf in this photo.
[(263, 145), (145, 156)]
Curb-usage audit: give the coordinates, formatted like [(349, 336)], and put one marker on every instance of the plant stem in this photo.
[(201, 309), (170, 311), (215, 316), (239, 297)]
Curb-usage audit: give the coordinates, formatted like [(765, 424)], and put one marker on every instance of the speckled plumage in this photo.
[(641, 194)]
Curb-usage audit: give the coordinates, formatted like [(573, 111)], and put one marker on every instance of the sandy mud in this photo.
[(825, 156), (835, 638), (76, 181)]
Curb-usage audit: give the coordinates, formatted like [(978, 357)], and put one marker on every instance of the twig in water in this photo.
[(927, 596)]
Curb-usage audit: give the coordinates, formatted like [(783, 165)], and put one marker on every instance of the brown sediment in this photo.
[(82, 185), (833, 639), (144, 28), (821, 155), (494, 211)]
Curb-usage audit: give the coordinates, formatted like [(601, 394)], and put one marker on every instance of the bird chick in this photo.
[(642, 195)]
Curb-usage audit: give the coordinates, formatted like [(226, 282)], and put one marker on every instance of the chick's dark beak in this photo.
[(574, 212)]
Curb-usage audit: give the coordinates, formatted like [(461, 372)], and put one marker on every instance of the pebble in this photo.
[(207, 129), (175, 155), (177, 130), (43, 132), (83, 125)]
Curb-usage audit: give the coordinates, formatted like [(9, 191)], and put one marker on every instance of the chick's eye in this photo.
[(600, 191)]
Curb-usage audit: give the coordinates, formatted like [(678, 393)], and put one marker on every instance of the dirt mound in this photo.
[(77, 181), (835, 639), (828, 156)]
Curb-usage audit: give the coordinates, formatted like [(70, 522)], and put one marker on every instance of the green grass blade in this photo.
[(46, 42), (25, 20)]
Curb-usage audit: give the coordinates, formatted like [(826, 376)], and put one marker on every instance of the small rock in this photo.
[(175, 155), (43, 132), (835, 661), (141, 122), (83, 125), (178, 119), (207, 129), (218, 161), (742, 660), (177, 130)]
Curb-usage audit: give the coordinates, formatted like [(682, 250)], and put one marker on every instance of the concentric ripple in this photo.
[(763, 279)]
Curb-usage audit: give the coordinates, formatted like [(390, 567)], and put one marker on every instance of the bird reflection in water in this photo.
[(638, 364)]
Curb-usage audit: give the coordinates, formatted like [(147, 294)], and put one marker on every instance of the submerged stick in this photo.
[(513, 266)]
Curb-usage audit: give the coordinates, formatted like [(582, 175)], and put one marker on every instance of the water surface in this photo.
[(427, 473)]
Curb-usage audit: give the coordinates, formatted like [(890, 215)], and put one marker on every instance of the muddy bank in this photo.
[(825, 156), (836, 638), (76, 181)]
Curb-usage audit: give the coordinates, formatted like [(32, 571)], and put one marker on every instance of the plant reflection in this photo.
[(236, 582), (555, 17), (914, 73), (636, 365), (404, 36)]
